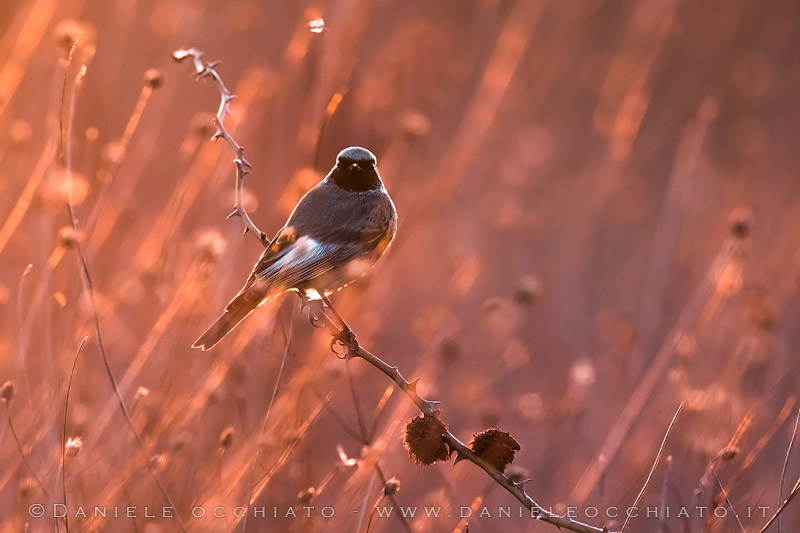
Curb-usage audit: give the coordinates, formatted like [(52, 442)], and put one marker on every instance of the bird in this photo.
[(336, 232)]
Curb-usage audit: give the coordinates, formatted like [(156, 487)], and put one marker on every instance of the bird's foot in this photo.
[(315, 312), (347, 339)]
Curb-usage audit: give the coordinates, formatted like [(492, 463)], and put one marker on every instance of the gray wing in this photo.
[(328, 228), (306, 259)]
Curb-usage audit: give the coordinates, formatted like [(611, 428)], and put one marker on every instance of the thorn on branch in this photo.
[(459, 458), (432, 404)]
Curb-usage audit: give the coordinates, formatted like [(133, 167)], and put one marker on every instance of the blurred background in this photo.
[(599, 219)]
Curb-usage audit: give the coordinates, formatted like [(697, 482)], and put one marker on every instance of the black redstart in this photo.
[(337, 231)]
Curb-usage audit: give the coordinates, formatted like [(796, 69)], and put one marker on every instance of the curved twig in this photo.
[(205, 69), (652, 468), (64, 431)]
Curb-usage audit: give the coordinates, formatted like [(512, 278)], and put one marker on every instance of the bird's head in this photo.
[(356, 170)]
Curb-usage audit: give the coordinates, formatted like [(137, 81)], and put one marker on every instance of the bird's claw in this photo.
[(314, 319), (347, 339), (334, 342)]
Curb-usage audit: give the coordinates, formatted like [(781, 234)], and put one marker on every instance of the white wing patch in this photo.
[(304, 260), (302, 249)]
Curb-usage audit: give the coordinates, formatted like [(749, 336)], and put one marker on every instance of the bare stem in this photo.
[(786, 502), (64, 431), (786, 464), (88, 285), (205, 69), (653, 468), (22, 455)]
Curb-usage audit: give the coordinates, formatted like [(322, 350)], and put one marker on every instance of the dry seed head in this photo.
[(449, 349), (415, 124), (67, 32), (158, 461), (741, 220), (7, 391), (226, 438), (202, 124), (114, 152), (495, 446), (26, 487), (154, 78), (211, 245), (307, 494), (582, 373), (728, 453), (424, 439), (761, 312), (69, 237), (179, 440), (141, 392), (317, 25), (61, 184), (391, 487), (73, 446), (529, 288)]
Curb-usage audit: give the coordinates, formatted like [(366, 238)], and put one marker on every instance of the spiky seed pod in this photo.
[(495, 447), (424, 439), (391, 487)]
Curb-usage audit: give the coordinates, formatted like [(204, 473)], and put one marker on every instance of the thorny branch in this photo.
[(463, 452), (347, 339), (205, 69)]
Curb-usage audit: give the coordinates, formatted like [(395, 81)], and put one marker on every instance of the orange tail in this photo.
[(241, 306)]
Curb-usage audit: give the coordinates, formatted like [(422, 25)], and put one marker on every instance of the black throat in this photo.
[(356, 180)]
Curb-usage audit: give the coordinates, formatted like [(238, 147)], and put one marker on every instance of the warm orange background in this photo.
[(599, 219)]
